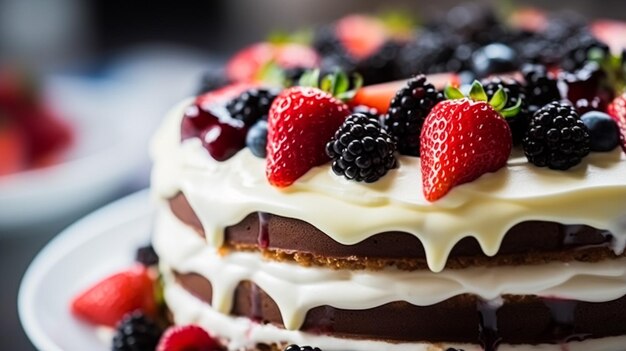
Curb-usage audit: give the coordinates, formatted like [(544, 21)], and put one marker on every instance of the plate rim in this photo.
[(128, 208)]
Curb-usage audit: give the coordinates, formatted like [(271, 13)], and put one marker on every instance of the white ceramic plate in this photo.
[(104, 157), (98, 245)]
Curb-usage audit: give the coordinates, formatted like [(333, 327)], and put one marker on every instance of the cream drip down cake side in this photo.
[(479, 209)]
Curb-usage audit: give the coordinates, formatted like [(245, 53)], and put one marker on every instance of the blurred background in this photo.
[(104, 73)]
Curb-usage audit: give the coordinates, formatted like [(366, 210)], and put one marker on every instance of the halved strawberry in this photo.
[(463, 139), (13, 149), (109, 300), (611, 32), (617, 110), (187, 338), (301, 121), (379, 96), (245, 65)]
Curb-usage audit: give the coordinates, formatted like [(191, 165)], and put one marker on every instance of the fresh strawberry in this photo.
[(463, 139), (617, 110), (301, 121), (611, 32), (47, 134), (13, 148), (246, 64), (379, 96), (109, 300), (361, 35), (187, 338)]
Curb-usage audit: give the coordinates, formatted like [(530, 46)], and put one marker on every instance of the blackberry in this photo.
[(366, 110), (577, 49), (361, 149), (556, 137), (301, 348), (212, 79), (433, 52), (252, 105), (407, 112), (147, 256), (381, 66), (541, 86), (136, 332), (514, 92)]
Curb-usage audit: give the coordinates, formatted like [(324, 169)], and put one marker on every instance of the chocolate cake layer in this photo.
[(521, 319), (283, 238)]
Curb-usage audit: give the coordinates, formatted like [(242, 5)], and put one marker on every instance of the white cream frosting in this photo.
[(297, 289), (241, 333), (223, 193)]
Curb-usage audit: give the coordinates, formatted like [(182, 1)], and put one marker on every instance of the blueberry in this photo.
[(256, 139), (602, 129), (494, 58)]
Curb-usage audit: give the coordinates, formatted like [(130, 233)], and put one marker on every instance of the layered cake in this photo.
[(482, 209)]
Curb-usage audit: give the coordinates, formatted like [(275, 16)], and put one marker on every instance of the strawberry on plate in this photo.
[(247, 63), (109, 300), (463, 139), (301, 121), (617, 110), (188, 338), (13, 148)]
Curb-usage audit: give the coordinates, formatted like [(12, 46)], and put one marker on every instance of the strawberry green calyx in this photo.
[(338, 84), (477, 93)]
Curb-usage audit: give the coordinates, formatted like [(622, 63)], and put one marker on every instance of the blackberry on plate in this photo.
[(541, 86), (514, 92), (366, 110), (556, 137), (301, 348), (361, 149), (252, 105), (382, 65), (136, 332), (407, 112), (147, 256)]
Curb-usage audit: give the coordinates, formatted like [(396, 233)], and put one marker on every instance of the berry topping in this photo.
[(407, 112), (110, 299), (208, 120), (514, 92), (585, 88), (603, 131), (494, 58), (147, 256), (136, 332), (361, 150), (463, 139), (301, 348), (556, 137), (246, 64), (617, 110), (256, 139), (187, 338), (379, 96), (541, 87), (252, 105), (301, 121)]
